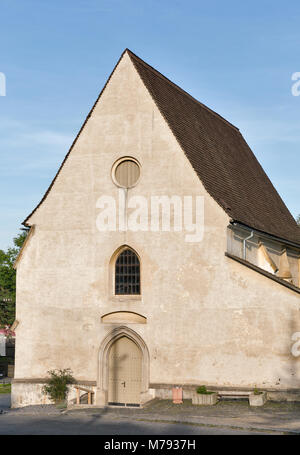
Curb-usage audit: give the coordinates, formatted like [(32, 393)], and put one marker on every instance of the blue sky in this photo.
[(236, 57)]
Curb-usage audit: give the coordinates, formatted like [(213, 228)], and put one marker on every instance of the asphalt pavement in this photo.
[(49, 420)]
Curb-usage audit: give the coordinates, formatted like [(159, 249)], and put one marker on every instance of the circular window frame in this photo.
[(117, 163)]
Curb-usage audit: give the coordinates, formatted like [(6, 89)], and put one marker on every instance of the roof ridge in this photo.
[(159, 74)]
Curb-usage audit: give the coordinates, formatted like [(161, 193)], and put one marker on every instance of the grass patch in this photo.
[(5, 388), (202, 390)]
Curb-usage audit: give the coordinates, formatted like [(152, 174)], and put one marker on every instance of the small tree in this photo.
[(298, 219), (57, 385), (8, 280)]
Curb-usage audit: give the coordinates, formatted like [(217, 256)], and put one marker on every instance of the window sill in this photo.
[(126, 298)]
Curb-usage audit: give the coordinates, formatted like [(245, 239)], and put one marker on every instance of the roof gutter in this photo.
[(265, 234), (244, 244)]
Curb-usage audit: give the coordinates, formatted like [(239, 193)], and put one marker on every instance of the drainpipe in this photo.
[(244, 244)]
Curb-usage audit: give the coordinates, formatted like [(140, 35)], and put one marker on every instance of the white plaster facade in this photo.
[(209, 319)]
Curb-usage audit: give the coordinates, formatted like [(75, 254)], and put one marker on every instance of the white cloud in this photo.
[(24, 148), (23, 137)]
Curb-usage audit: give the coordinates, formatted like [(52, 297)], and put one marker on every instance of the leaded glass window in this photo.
[(127, 276)]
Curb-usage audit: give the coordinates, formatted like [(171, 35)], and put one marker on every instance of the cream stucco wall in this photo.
[(210, 320)]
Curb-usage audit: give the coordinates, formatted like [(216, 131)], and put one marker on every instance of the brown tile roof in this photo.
[(221, 157), (219, 154)]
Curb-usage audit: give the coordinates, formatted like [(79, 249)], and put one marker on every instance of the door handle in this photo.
[(123, 383)]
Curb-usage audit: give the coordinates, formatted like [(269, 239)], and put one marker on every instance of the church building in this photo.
[(161, 255)]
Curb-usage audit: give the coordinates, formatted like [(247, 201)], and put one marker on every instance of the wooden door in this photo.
[(125, 372)]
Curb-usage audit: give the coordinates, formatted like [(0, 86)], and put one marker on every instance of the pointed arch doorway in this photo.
[(124, 373), (123, 369)]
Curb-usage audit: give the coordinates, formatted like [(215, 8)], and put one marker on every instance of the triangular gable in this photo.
[(218, 153)]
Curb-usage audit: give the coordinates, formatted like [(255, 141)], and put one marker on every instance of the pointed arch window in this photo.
[(127, 273)]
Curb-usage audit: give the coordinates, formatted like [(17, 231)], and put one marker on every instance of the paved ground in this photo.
[(95, 425), (160, 417)]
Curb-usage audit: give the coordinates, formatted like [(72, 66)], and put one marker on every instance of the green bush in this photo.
[(203, 390), (57, 385), (256, 391)]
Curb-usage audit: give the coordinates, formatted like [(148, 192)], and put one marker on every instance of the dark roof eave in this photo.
[(266, 234)]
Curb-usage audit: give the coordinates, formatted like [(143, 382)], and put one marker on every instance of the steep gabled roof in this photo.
[(220, 156)]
